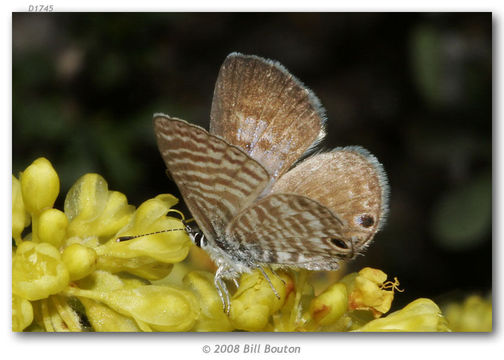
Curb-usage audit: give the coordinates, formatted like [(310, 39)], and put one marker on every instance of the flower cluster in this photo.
[(71, 274), (70, 266), (474, 314)]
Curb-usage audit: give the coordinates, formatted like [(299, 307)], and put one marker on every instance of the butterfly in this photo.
[(256, 203)]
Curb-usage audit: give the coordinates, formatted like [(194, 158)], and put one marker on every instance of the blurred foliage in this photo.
[(414, 89), (463, 216)]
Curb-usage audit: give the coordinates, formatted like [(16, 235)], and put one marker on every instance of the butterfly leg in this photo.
[(276, 274), (268, 280), (222, 290)]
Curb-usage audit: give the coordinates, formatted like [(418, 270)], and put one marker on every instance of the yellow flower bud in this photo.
[(212, 317), (37, 271), (40, 186), (150, 217), (22, 313), (95, 211), (103, 281), (420, 315), (52, 227), (80, 261), (168, 199), (329, 306), (87, 197), (163, 308), (255, 301), (144, 267), (170, 247), (103, 318), (160, 308), (20, 218), (116, 215)]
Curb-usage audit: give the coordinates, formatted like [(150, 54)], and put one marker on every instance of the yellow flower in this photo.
[(329, 306), (80, 260), (153, 308), (212, 317), (165, 247), (53, 227), (93, 211), (473, 315), (38, 271), (39, 186), (22, 313), (104, 319), (254, 302), (420, 315), (369, 291)]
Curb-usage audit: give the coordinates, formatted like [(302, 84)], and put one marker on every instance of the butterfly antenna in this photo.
[(125, 238)]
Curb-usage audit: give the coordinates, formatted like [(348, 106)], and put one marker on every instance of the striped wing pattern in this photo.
[(291, 230), (263, 109), (216, 179)]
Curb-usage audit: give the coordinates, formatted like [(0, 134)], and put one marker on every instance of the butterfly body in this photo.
[(254, 208)]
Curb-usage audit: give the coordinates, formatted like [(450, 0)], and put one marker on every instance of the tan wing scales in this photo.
[(350, 182), (260, 107)]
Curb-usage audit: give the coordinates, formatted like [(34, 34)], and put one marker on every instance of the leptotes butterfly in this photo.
[(254, 208)]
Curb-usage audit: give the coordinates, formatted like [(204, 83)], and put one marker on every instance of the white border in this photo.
[(171, 346)]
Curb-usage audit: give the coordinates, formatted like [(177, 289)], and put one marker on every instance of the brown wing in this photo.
[(350, 182), (216, 179), (292, 230), (260, 107)]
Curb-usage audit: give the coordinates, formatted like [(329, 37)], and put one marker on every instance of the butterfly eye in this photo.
[(338, 243), (365, 220)]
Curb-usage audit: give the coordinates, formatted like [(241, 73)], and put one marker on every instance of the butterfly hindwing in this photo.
[(350, 182), (291, 230)]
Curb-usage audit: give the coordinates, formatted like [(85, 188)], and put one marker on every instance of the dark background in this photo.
[(414, 89)]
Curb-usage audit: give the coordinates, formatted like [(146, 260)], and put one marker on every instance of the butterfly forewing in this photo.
[(292, 230), (260, 107), (216, 179), (350, 182)]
